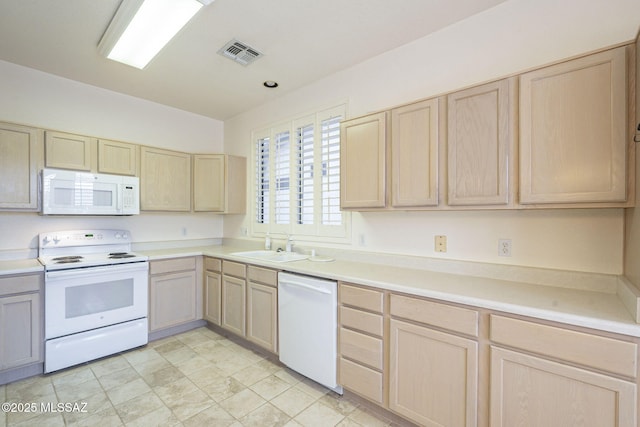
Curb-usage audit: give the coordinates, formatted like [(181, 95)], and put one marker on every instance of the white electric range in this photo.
[(96, 293)]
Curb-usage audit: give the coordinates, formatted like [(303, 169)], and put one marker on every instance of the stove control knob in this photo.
[(118, 235), (56, 239), (46, 240)]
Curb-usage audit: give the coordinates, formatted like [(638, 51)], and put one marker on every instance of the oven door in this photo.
[(88, 298)]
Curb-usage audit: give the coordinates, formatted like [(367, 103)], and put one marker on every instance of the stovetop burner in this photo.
[(69, 258), (68, 261), (120, 255)]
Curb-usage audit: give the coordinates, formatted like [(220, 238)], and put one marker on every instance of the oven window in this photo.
[(95, 298)]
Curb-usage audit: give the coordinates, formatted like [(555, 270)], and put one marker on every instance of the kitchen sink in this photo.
[(272, 256)]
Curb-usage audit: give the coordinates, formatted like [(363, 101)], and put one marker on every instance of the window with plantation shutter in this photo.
[(297, 179), (281, 173), (262, 180), (304, 175), (331, 214)]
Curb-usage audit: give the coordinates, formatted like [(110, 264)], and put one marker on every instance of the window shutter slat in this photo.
[(331, 214)]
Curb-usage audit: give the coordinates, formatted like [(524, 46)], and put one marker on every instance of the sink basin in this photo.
[(271, 256)]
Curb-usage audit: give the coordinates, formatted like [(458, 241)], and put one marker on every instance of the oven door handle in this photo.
[(91, 271)]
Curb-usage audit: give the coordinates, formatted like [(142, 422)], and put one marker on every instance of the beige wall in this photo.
[(35, 98), (512, 37)]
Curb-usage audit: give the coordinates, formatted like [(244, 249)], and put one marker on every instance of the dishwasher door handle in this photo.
[(304, 285)]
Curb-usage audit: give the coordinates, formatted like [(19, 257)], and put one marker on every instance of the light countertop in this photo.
[(588, 308), (598, 308), (20, 266)]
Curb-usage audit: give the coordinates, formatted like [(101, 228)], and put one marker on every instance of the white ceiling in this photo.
[(302, 41)]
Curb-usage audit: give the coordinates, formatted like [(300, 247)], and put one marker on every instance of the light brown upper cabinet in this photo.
[(636, 124), (20, 160), (165, 180), (118, 158), (573, 126), (481, 144), (219, 183), (69, 151), (414, 154), (363, 162)]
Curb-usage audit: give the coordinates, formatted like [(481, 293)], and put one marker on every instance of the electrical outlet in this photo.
[(504, 247), (441, 243)]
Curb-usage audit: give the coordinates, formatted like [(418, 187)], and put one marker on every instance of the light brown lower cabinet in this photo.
[(174, 293), (234, 291), (212, 290), (20, 321), (262, 307), (557, 377), (432, 375), (361, 342), (531, 391)]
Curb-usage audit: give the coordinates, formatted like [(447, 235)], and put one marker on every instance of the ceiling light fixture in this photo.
[(270, 84), (141, 28)]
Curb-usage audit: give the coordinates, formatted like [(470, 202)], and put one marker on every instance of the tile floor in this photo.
[(197, 378)]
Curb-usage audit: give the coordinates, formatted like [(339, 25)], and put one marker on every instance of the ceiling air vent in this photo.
[(240, 52)]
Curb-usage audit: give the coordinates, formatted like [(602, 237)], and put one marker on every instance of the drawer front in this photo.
[(20, 284), (265, 276), (608, 354), (456, 319), (234, 269), (361, 320), (367, 299), (361, 348), (172, 265), (213, 264), (362, 380)]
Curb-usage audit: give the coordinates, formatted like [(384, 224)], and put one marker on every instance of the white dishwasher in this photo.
[(308, 327)]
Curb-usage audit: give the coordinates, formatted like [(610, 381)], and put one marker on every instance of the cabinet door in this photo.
[(636, 125), (212, 295), (233, 304), (363, 162), (165, 180), (20, 330), (209, 183), (481, 144), (433, 376), (414, 154), (527, 390), (20, 156), (573, 131), (69, 151), (262, 315), (172, 300), (117, 158)]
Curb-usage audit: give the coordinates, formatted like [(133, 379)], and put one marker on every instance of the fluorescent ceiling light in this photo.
[(141, 28)]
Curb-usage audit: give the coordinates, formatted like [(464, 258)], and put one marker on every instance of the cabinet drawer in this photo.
[(263, 275), (361, 348), (20, 284), (362, 380), (367, 299), (172, 265), (608, 354), (212, 264), (455, 319), (361, 320), (234, 269)]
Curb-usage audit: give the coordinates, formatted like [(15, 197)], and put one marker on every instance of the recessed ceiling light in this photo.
[(270, 84)]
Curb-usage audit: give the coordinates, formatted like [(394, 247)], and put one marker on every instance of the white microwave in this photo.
[(66, 192)]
